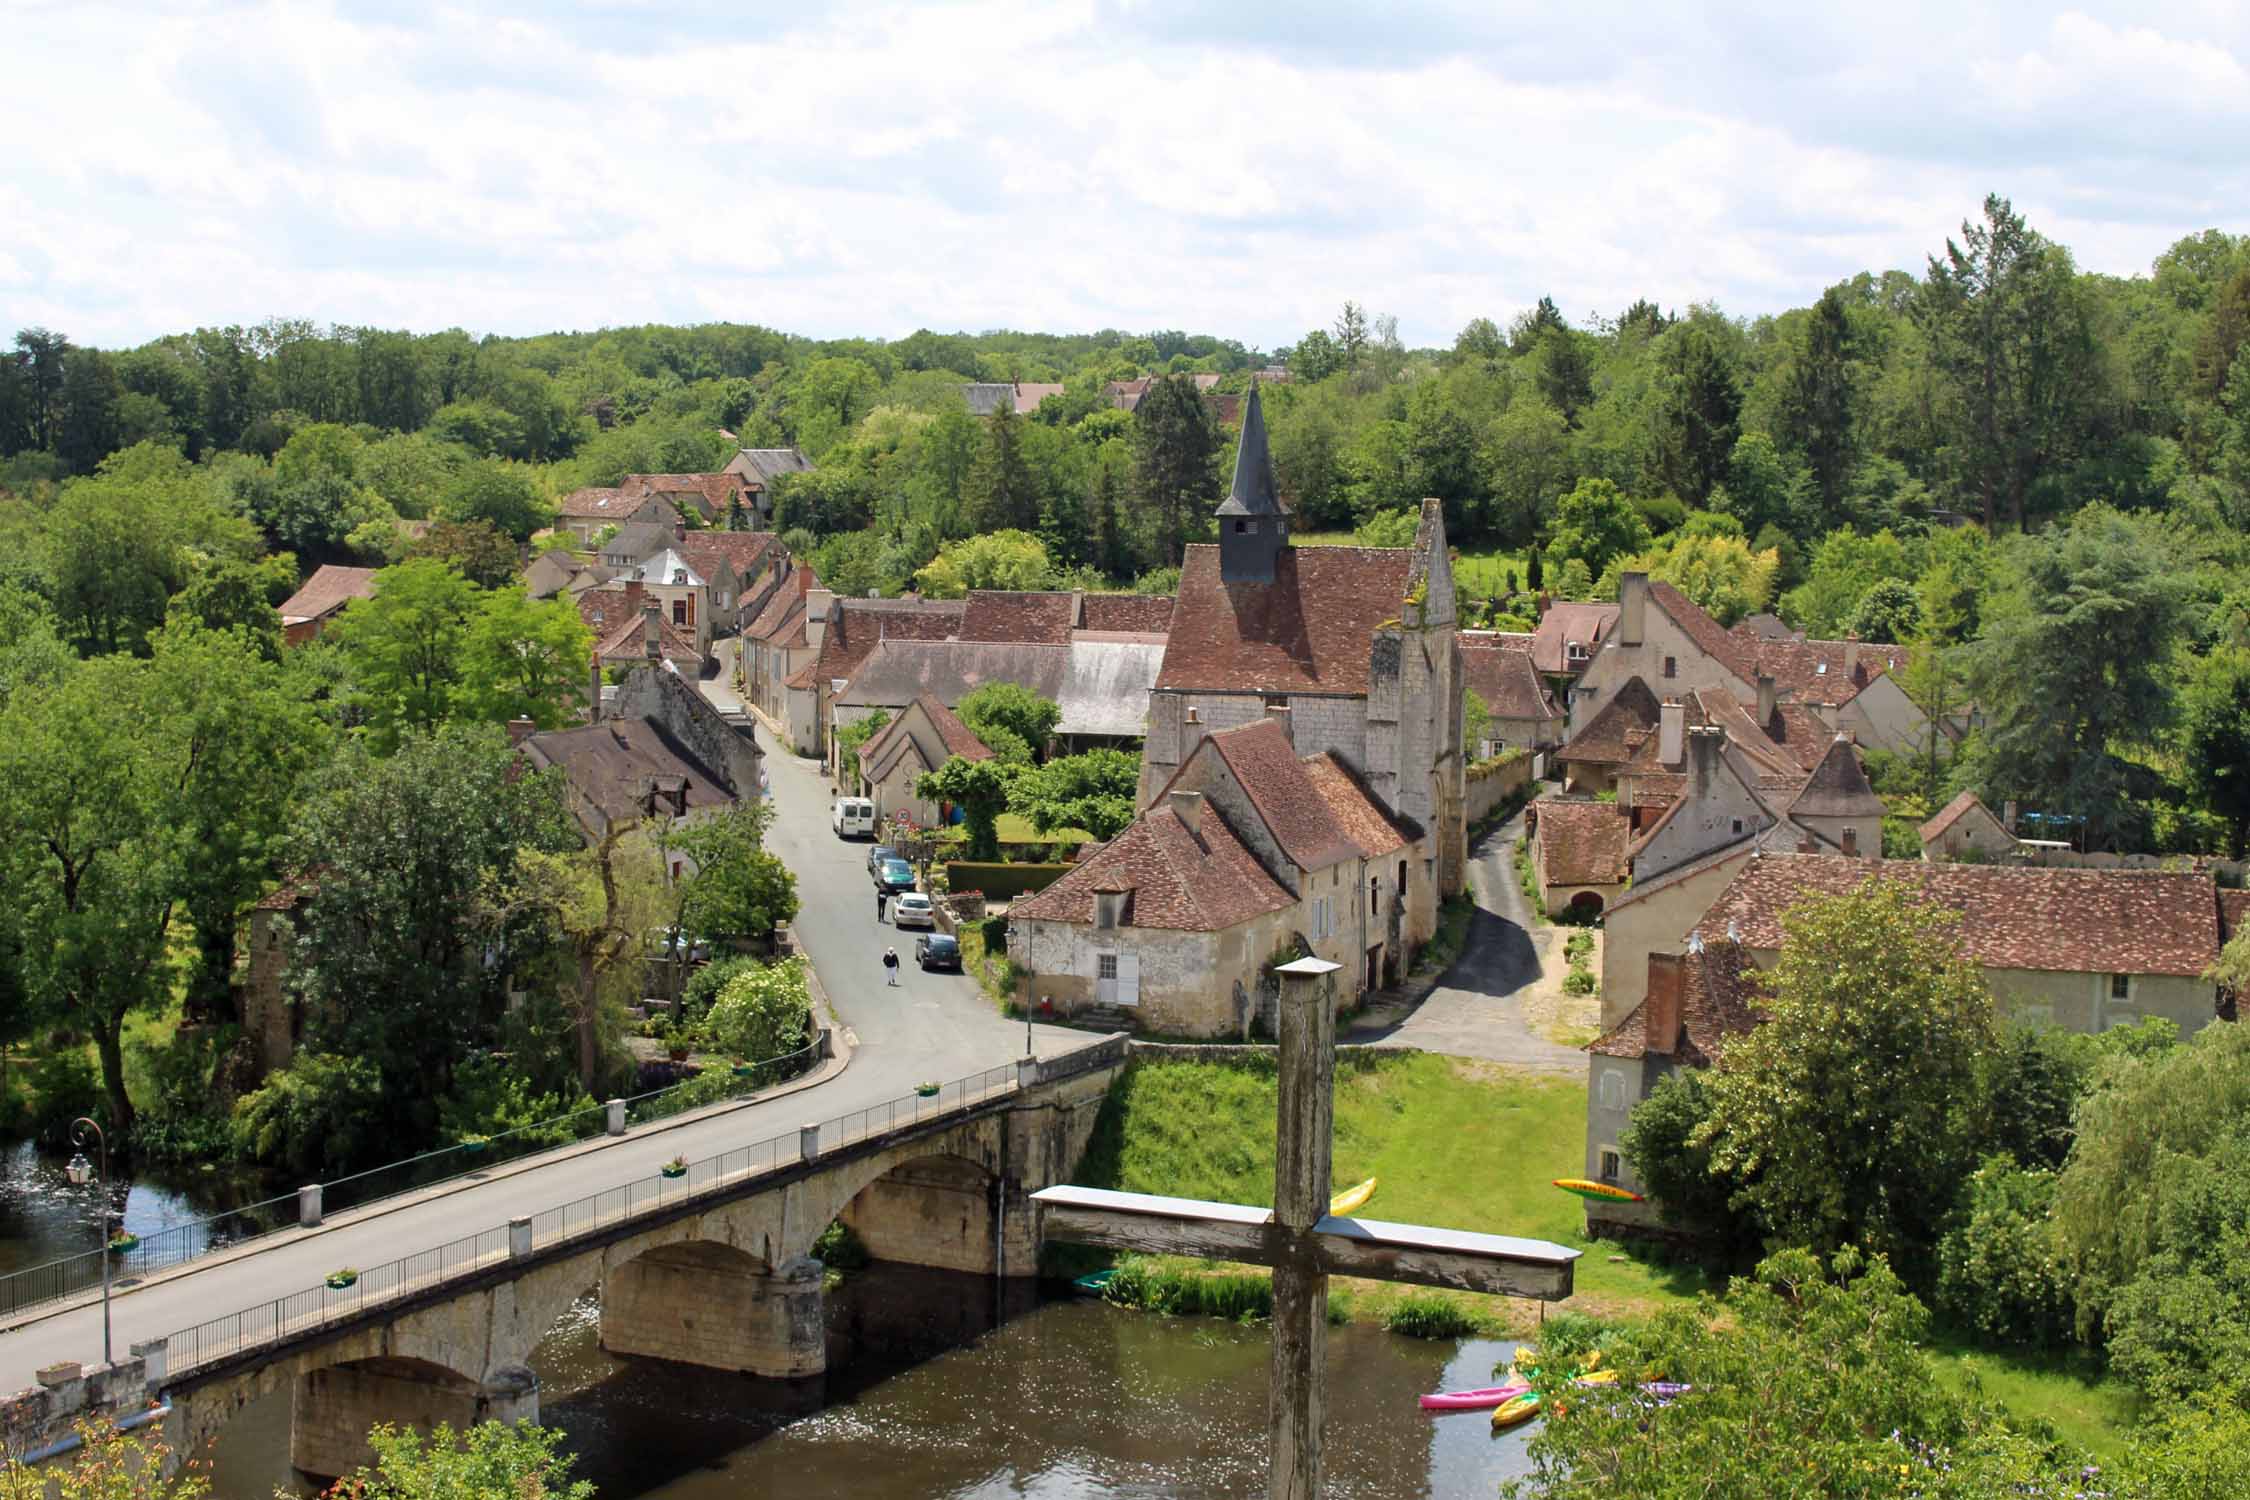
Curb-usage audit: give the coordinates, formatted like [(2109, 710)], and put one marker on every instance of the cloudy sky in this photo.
[(1075, 164)]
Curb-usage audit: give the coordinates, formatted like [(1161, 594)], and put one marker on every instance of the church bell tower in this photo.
[(1253, 528)]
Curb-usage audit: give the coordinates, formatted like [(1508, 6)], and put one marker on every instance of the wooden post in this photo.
[(1307, 1055)]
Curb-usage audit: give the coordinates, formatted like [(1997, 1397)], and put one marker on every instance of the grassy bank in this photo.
[(1461, 1145)]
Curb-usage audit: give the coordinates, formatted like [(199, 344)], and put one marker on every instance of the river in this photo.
[(934, 1391)]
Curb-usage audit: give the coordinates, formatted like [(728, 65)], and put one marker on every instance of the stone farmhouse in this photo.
[(1250, 853), (921, 737), (2080, 949), (754, 470), (588, 512), (1524, 714), (322, 597), (1965, 829)]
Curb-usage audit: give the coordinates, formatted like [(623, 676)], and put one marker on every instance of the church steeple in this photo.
[(1253, 528)]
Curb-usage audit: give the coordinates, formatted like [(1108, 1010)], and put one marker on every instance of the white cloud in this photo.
[(878, 168)]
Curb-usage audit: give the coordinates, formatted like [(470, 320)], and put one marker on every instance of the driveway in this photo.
[(1504, 992)]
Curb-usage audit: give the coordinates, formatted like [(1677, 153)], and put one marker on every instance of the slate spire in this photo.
[(1253, 492), (1253, 528)]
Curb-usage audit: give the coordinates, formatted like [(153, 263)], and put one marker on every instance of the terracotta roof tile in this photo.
[(1309, 631), (1129, 614), (1582, 843), (744, 551), (612, 765), (781, 622), (711, 493), (1718, 1002), (329, 589), (599, 503), (1361, 816), (1299, 817), (2234, 906), (1024, 617), (1587, 625), (862, 623), (1507, 682), (1813, 671), (1204, 881), (2065, 921)]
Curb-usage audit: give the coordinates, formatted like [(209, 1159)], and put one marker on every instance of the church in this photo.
[(1301, 785)]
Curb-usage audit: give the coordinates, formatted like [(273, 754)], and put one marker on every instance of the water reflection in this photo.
[(936, 1388)]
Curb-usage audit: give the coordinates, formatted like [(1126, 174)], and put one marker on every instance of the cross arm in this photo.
[(1371, 1248)]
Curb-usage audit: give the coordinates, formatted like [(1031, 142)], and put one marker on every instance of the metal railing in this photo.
[(302, 1313), (174, 1244)]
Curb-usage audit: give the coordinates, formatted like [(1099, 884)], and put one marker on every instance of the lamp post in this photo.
[(80, 1172)]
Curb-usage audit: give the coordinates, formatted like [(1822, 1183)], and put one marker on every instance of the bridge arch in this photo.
[(934, 1209)]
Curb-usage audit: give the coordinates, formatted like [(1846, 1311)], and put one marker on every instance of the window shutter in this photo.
[(1128, 979)]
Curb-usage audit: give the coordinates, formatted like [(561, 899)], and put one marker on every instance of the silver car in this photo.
[(912, 909)]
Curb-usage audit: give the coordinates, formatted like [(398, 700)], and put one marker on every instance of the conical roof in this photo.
[(1253, 492), (1838, 787)]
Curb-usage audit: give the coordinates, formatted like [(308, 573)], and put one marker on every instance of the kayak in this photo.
[(1476, 1400), (1094, 1281), (1515, 1410), (1599, 1377), (1665, 1390), (1601, 1192), (1351, 1200)]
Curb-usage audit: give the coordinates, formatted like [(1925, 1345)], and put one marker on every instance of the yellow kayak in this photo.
[(1599, 1377), (1513, 1412), (1351, 1200)]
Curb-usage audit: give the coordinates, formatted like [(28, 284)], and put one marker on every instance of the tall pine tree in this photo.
[(1175, 461)]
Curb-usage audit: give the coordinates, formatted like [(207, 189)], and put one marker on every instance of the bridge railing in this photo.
[(306, 1312), (160, 1249)]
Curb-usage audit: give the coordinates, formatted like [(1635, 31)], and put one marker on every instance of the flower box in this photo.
[(473, 1144), (674, 1168), (927, 1090), (125, 1244), (336, 1281)]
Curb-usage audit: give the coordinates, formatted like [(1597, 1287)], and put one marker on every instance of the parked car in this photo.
[(913, 909), (938, 950), (852, 817), (878, 854), (895, 875)]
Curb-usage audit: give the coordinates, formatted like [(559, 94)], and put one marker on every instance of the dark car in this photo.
[(938, 950), (877, 855), (894, 875)]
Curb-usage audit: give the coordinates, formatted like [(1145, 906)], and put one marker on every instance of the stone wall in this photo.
[(1488, 785), (333, 1408), (663, 697)]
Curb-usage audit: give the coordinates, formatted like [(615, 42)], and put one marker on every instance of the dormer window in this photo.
[(1820, 669)]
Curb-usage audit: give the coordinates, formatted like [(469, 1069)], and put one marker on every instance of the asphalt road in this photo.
[(933, 1026)]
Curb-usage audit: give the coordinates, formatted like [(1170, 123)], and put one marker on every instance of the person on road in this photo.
[(881, 896), (890, 965)]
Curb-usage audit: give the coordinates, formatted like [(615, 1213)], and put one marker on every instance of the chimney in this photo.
[(1188, 808), (652, 632), (1279, 713), (1851, 655), (1660, 1009), (2008, 815), (594, 691), (1632, 614), (520, 730), (1765, 699), (1704, 741), (1671, 727), (817, 603)]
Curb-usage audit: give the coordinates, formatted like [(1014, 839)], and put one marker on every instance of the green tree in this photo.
[(739, 888), (1845, 567), (484, 554), (411, 471), (2073, 669), (89, 426), (522, 1462), (1526, 461), (500, 494), (1820, 401), (1351, 335), (1889, 611), (1720, 573), (763, 1012), (1998, 1274), (980, 789), (524, 658), (1824, 1149), (109, 1465), (402, 647), (1175, 462), (1594, 524), (602, 904), (1014, 722), (400, 958), (991, 560), (2215, 737), (227, 593), (1698, 407), (1094, 790), (998, 493), (1758, 488), (1476, 719), (1670, 1151)]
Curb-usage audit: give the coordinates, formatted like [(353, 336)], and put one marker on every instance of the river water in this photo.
[(933, 1390)]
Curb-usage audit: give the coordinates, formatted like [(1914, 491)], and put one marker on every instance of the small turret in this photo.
[(1253, 528)]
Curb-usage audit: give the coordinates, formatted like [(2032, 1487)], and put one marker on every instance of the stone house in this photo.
[(710, 498), (678, 588), (775, 648), (2084, 950), (840, 633), (1100, 683), (1355, 644), (1566, 638), (1523, 711), (633, 543), (920, 737), (585, 514), (629, 628), (321, 598), (741, 568), (1966, 830), (1578, 854), (753, 470), (1250, 850)]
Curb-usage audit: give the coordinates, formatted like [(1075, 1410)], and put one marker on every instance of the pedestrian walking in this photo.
[(881, 896), (890, 965)]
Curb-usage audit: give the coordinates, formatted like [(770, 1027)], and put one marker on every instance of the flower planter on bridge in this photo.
[(125, 1244), (337, 1281)]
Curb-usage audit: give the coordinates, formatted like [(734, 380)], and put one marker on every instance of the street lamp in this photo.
[(80, 1172)]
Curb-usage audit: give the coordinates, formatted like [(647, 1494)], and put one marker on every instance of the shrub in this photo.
[(1579, 982), (323, 1113), (1998, 1275), (1426, 1315), (839, 1249), (490, 1097), (1152, 1287), (704, 984), (763, 1011)]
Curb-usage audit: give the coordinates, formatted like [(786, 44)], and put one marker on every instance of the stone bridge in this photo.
[(715, 1269)]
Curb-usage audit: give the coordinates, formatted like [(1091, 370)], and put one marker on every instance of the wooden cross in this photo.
[(1298, 1237)]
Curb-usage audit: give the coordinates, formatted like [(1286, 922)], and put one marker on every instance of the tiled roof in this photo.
[(1138, 614), (1030, 618), (1715, 706), (1507, 682), (1813, 671), (711, 492), (764, 464), (953, 737), (1308, 631), (744, 551), (1362, 817), (329, 589), (1800, 733), (860, 624), (612, 764), (1950, 814), (1730, 651), (1838, 787), (2234, 906), (1717, 1002), (599, 503), (896, 672), (1611, 738), (781, 620), (1292, 807), (1204, 881), (1030, 393), (637, 539), (2066, 921), (615, 616), (1587, 624), (1582, 843), (1763, 627)]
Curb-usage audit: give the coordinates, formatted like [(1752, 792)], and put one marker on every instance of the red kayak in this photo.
[(1476, 1400)]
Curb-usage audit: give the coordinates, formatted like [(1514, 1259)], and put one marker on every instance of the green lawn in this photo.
[(1473, 1146)]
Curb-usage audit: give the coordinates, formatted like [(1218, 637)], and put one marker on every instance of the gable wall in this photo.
[(1615, 663)]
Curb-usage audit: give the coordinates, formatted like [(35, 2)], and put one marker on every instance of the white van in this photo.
[(852, 817)]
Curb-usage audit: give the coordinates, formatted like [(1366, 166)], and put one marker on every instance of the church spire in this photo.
[(1253, 528)]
